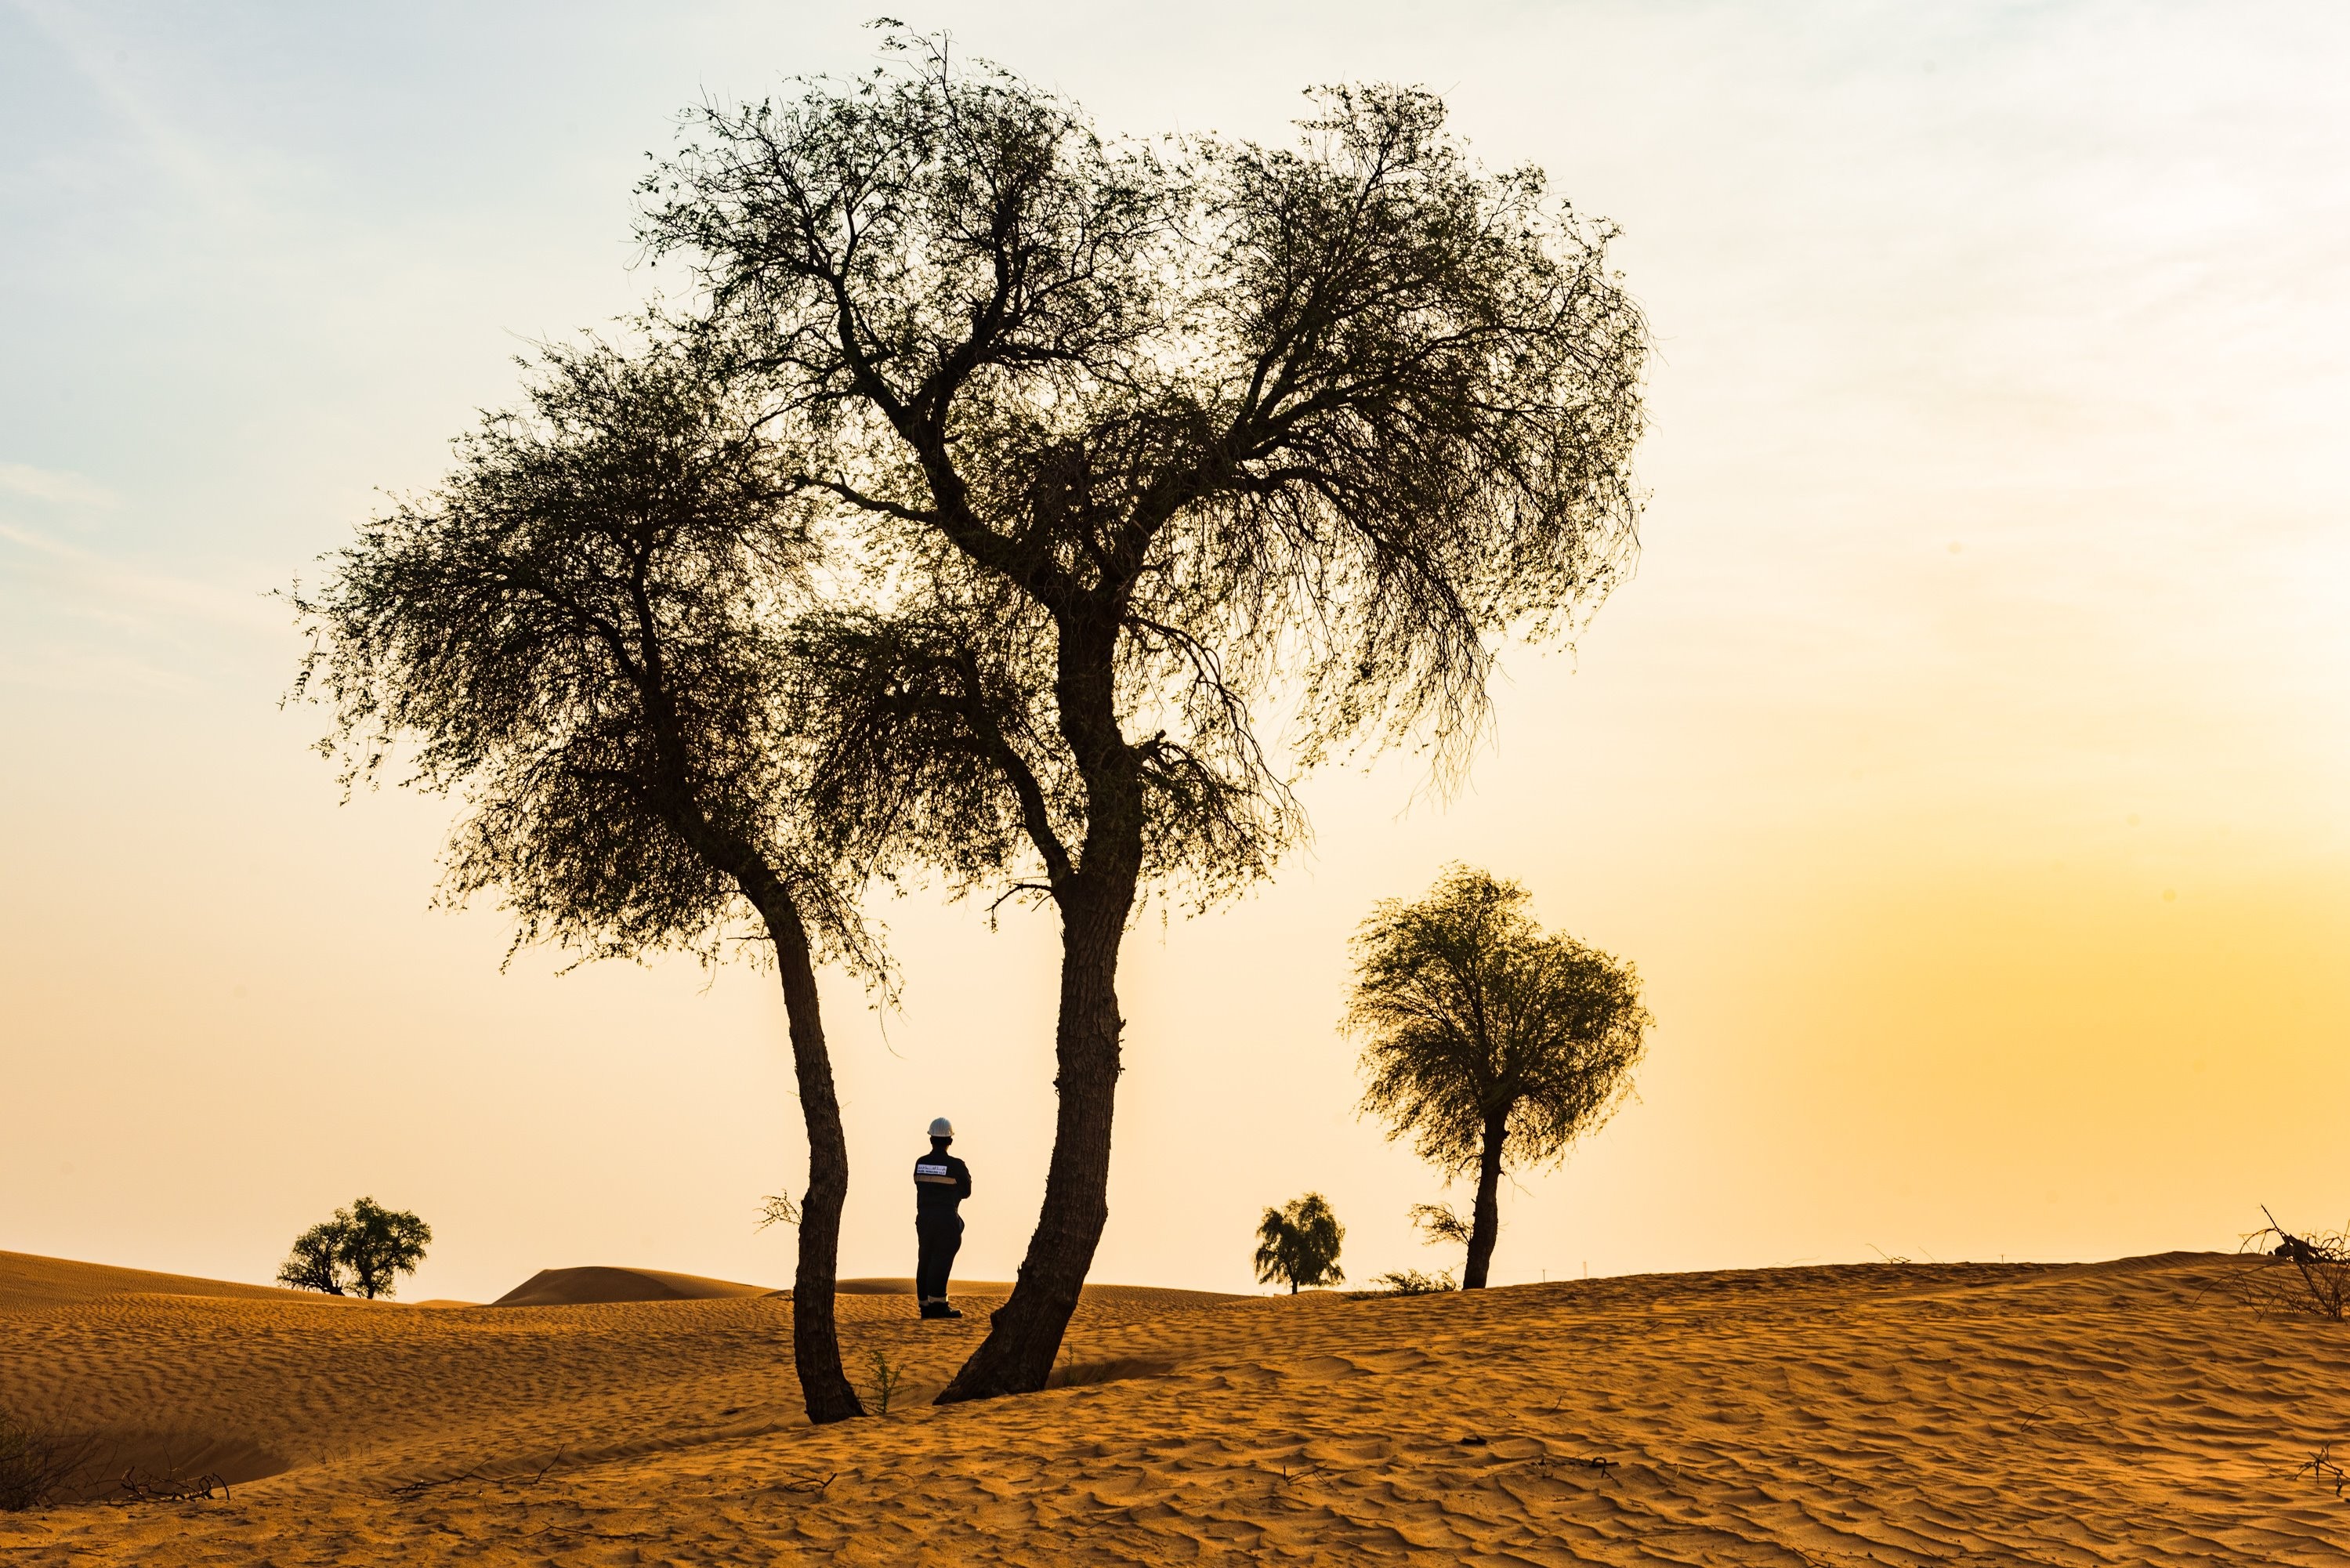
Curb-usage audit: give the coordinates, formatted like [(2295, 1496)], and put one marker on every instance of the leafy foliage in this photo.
[(1131, 455), (1470, 1013), (1488, 1043), (576, 632), (1297, 1244), (315, 1262), (361, 1251), (1413, 1282), (579, 633), (1440, 1222), (1130, 435)]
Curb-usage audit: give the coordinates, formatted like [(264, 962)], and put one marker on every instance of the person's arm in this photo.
[(962, 1181)]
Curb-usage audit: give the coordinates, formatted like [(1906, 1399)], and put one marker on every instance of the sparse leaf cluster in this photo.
[(1414, 1283)]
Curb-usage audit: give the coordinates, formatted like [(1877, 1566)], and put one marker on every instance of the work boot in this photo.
[(939, 1308)]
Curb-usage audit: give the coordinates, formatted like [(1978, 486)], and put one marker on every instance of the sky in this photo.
[(1963, 768)]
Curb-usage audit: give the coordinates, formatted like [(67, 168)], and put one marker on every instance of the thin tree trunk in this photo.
[(815, 1334), (1024, 1335), (1485, 1223)]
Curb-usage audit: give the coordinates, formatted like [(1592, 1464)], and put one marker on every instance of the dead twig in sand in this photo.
[(138, 1489), (807, 1488), (2297, 1274), (408, 1490), (583, 1534), (2324, 1469), (1547, 1465)]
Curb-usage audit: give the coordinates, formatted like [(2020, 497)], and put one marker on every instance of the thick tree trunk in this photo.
[(1025, 1335), (815, 1336), (1486, 1220)]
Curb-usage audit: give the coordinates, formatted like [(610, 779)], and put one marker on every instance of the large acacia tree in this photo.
[(1134, 445), (576, 633), (1488, 1043)]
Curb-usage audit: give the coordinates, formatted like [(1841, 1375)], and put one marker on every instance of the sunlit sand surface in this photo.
[(2127, 1412)]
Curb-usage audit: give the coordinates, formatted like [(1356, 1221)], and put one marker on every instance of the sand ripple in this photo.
[(2120, 1413)]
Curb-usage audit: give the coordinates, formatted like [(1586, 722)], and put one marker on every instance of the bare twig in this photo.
[(2324, 1469), (406, 1491), (136, 1488), (2298, 1273)]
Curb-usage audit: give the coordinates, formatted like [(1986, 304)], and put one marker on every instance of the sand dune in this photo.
[(2127, 1412), (27, 1280), (581, 1287)]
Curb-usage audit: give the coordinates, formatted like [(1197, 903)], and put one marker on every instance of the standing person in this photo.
[(941, 1184)]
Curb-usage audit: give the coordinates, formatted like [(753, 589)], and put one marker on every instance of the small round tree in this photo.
[(361, 1251), (1489, 1043), (1298, 1245)]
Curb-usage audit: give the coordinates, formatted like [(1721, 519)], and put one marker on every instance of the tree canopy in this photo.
[(1488, 1043), (361, 1251), (1297, 1244), (1132, 444), (579, 633)]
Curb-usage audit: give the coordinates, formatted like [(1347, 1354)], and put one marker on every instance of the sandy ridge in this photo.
[(2120, 1413)]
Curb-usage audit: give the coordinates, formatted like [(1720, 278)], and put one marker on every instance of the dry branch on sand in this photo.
[(134, 1487), (2297, 1274), (2327, 1471)]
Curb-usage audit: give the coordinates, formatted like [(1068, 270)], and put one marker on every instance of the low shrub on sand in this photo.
[(1410, 1282), (37, 1468)]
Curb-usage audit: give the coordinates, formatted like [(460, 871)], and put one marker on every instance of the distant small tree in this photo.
[(1489, 1043), (1298, 1243), (361, 1251), (315, 1264)]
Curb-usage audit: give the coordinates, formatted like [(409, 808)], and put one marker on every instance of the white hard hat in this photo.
[(942, 1128)]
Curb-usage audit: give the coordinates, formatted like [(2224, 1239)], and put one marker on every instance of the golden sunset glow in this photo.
[(1962, 766)]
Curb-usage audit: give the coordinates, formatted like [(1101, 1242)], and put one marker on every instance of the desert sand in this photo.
[(2125, 1412)]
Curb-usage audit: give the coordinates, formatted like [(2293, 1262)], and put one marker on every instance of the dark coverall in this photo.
[(940, 1183)]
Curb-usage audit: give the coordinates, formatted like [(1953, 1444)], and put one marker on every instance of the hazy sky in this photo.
[(1963, 768)]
